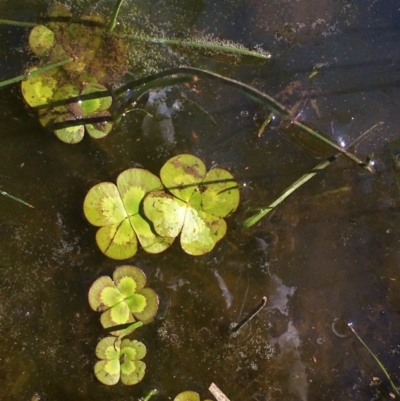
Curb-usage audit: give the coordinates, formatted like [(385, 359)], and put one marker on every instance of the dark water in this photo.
[(329, 251)]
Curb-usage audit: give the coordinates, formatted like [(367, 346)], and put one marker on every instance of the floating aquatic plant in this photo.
[(123, 299), (116, 210), (195, 205), (120, 359), (72, 97)]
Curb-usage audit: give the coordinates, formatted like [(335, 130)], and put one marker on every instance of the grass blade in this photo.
[(383, 369), (17, 23), (36, 72), (7, 195), (302, 180), (113, 20)]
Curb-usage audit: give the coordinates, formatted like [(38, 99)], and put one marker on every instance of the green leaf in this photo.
[(108, 323), (220, 193), (111, 296), (133, 184), (95, 104), (96, 291), (71, 135), (150, 241), (166, 212), (103, 205), (100, 129), (62, 95), (133, 272), (136, 303), (108, 372), (137, 346), (118, 314), (108, 348), (187, 396), (151, 305), (38, 90), (201, 231), (41, 40), (181, 174), (132, 372), (127, 286), (117, 241)]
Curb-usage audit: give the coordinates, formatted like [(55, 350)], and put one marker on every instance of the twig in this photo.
[(250, 316), (217, 393)]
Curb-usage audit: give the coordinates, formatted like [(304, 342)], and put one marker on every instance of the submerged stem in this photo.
[(383, 369), (36, 72)]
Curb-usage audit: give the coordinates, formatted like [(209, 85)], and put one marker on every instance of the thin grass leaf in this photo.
[(302, 180), (17, 23), (113, 20), (36, 72), (7, 195), (383, 369)]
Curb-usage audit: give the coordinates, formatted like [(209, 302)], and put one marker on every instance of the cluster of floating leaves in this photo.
[(73, 98), (187, 201), (125, 301)]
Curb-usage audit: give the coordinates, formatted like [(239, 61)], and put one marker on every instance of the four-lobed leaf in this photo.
[(123, 299), (120, 359)]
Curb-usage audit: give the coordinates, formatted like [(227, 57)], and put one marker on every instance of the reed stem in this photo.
[(36, 72)]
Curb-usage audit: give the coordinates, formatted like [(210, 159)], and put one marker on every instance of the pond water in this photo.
[(330, 251)]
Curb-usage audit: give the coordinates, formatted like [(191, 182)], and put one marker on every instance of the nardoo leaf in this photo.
[(120, 359), (187, 396), (96, 293), (181, 174), (38, 90), (117, 241), (41, 40)]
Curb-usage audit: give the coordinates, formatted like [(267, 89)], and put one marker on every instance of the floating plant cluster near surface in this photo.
[(187, 200), (73, 97), (126, 304)]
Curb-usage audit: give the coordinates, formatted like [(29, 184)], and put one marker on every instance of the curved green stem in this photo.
[(255, 94)]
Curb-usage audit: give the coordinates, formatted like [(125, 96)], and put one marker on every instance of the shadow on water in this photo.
[(330, 251)]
